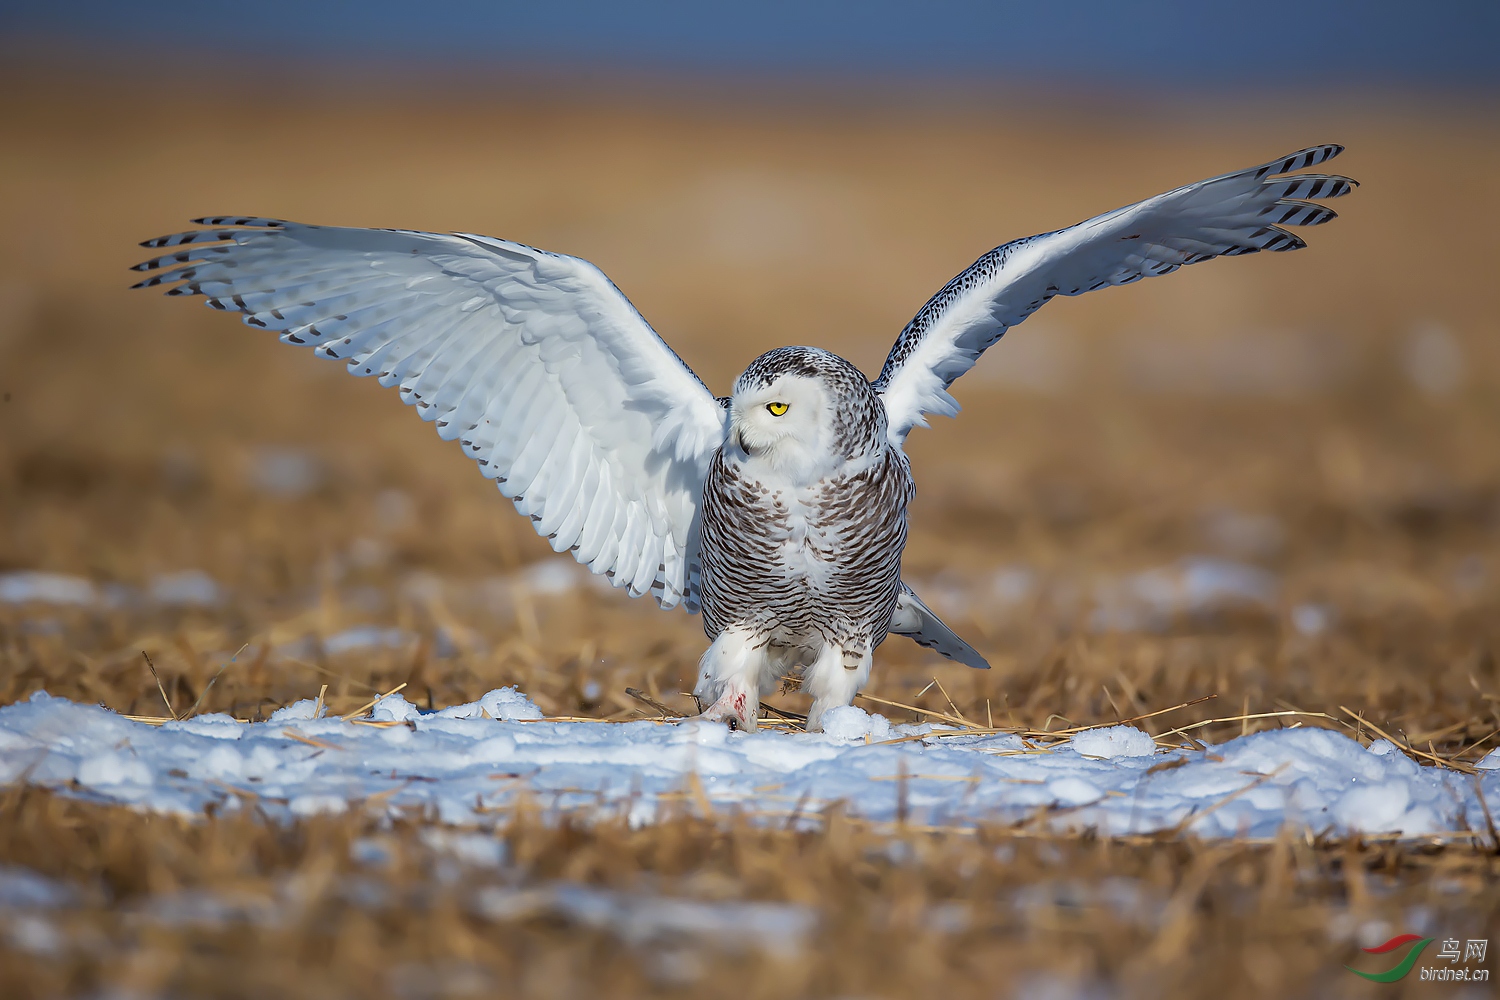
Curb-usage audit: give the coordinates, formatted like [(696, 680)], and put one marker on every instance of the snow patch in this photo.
[(466, 764), (1311, 619), (1111, 742), (117, 767), (189, 588), (24, 889), (551, 577), (476, 850), (297, 710), (394, 708), (35, 934), (217, 725), (286, 473), (509, 705), (30, 587), (316, 805), (1195, 587), (853, 723), (1072, 791), (362, 637), (645, 919)]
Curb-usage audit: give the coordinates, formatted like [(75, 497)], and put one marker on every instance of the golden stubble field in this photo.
[(1318, 429)]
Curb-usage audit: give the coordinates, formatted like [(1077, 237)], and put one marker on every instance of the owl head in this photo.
[(804, 412)]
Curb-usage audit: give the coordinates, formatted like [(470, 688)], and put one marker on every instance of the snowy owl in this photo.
[(778, 511)]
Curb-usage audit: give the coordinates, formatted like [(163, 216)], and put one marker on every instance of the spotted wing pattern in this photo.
[(534, 361), (1238, 213)]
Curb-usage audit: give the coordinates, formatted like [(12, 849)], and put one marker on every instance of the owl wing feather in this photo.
[(1233, 214), (535, 361), (916, 621)]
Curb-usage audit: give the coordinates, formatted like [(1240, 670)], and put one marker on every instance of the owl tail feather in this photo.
[(914, 620)]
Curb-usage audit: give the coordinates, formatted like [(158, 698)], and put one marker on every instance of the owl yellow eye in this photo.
[(777, 409)]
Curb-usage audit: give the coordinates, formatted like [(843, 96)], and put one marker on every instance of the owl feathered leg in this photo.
[(834, 678), (734, 673)]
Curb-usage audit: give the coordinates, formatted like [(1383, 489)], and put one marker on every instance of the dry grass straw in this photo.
[(159, 686), (367, 706), (901, 912)]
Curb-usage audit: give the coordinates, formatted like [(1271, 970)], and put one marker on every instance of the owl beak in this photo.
[(739, 437)]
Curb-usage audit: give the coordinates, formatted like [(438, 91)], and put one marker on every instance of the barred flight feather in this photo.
[(1226, 216), (609, 447)]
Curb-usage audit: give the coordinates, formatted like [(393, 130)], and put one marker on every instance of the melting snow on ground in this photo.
[(45, 588), (466, 764), (669, 929)]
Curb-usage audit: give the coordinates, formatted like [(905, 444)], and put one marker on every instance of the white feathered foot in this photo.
[(741, 668), (833, 679), (733, 675)]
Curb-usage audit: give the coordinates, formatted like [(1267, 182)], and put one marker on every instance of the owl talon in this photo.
[(735, 709)]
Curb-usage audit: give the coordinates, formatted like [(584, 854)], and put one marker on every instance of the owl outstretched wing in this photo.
[(1225, 216), (534, 361)]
